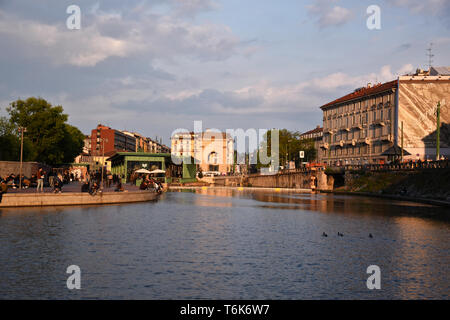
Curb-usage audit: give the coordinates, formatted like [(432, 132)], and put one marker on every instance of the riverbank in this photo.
[(433, 202), (424, 186), (281, 190), (15, 200)]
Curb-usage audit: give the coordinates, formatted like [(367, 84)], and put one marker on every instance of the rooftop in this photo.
[(440, 71), (318, 129), (363, 92)]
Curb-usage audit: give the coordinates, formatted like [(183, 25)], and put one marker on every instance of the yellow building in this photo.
[(359, 127), (212, 151)]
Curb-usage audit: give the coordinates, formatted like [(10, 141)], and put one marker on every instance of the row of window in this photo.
[(355, 150), (363, 104), (371, 132), (363, 118)]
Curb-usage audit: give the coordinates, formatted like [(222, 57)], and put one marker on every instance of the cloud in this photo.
[(105, 35), (329, 14), (434, 8), (193, 7)]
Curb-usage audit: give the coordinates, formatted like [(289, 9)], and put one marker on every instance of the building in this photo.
[(112, 140), (125, 164), (316, 136), (359, 127), (212, 151), (157, 147), (87, 145)]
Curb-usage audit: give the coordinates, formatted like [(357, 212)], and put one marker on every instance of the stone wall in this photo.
[(28, 168), (73, 199), (298, 180)]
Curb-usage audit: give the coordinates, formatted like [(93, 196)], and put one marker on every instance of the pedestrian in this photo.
[(40, 180), (50, 178), (3, 188), (110, 179)]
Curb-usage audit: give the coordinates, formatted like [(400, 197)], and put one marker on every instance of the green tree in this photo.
[(10, 143), (54, 141), (290, 146), (72, 143)]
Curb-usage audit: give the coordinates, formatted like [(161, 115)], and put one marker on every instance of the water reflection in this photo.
[(227, 244), (324, 203)]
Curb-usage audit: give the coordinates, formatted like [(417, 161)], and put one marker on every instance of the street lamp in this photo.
[(103, 140), (21, 130)]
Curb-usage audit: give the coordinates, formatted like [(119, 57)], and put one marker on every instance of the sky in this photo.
[(153, 66)]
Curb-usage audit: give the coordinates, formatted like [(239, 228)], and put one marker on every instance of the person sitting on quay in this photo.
[(144, 185), (119, 187), (57, 184), (85, 187), (3, 188), (94, 188)]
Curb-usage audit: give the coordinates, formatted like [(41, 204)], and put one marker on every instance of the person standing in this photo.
[(40, 180)]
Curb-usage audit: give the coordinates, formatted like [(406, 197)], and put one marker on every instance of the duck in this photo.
[(340, 234), (324, 235), (370, 235)]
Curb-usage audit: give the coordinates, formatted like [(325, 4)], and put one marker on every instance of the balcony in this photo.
[(379, 122), (364, 140), (387, 137), (324, 145), (357, 126), (344, 128)]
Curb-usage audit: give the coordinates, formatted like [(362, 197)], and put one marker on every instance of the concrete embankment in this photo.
[(426, 186), (74, 199), (294, 179)]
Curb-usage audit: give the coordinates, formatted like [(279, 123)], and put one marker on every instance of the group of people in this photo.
[(94, 179), (149, 183), (56, 178)]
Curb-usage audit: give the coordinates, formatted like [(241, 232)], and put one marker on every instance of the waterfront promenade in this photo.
[(71, 196)]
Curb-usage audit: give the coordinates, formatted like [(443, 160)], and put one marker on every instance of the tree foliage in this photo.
[(48, 139), (289, 148)]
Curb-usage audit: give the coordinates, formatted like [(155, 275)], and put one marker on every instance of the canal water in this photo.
[(223, 244)]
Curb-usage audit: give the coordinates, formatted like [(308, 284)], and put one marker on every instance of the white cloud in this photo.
[(407, 68), (111, 35), (193, 7), (260, 98), (329, 14), (435, 7)]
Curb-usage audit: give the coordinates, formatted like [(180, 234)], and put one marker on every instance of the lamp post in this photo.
[(288, 155), (21, 130), (402, 143), (103, 159), (438, 130)]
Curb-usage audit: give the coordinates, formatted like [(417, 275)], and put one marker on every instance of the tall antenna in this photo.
[(430, 56)]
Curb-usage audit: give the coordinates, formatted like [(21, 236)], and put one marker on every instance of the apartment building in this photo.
[(360, 127), (112, 140), (316, 135)]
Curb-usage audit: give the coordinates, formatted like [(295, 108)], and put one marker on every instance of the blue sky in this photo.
[(157, 65)]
